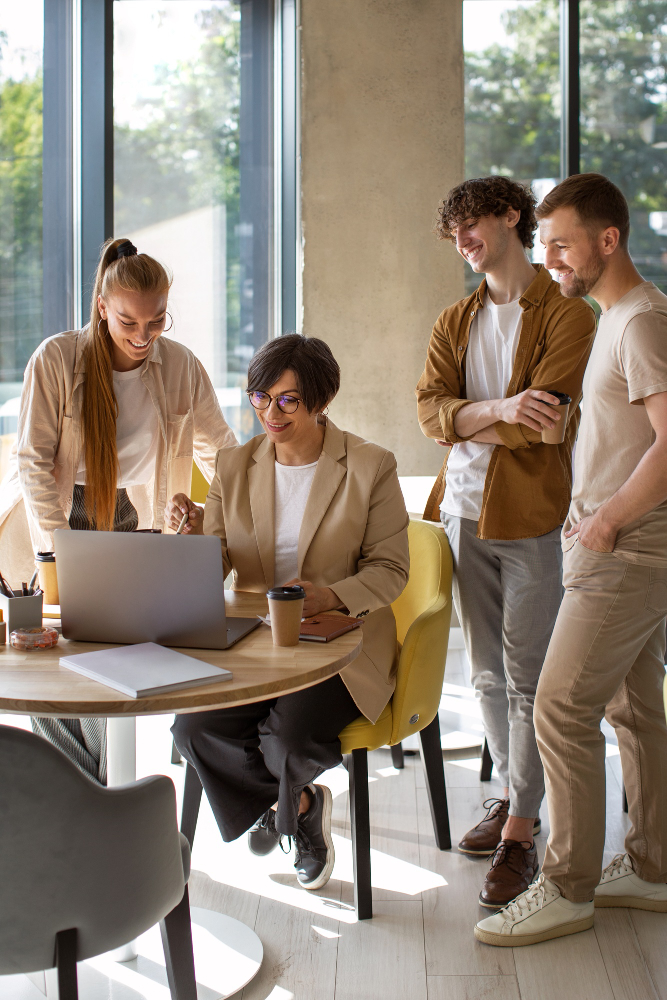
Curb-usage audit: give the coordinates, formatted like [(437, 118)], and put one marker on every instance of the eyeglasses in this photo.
[(262, 400)]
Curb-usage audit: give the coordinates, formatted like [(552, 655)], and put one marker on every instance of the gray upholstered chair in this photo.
[(85, 869)]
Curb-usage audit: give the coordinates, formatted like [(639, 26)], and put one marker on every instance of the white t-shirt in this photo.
[(494, 335), (292, 486), (136, 431)]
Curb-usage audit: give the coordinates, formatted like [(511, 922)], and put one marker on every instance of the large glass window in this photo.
[(624, 116), (512, 94), (193, 182), (513, 105), (21, 37)]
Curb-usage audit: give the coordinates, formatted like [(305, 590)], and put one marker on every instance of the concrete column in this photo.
[(382, 143)]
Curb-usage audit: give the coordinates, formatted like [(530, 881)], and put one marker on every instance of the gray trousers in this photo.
[(507, 596)]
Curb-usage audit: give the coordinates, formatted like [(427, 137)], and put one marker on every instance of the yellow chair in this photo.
[(199, 486), (423, 613)]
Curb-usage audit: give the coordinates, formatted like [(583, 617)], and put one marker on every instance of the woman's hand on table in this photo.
[(318, 599), (177, 508)]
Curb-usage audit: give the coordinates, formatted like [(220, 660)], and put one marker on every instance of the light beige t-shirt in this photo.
[(628, 363)]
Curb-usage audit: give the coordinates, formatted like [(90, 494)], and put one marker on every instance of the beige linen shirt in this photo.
[(628, 363), (353, 539), (40, 480)]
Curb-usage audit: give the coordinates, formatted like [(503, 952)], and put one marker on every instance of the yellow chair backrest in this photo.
[(423, 614), (199, 487)]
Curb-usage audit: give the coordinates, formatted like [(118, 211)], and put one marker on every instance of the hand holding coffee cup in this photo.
[(286, 612), (556, 435)]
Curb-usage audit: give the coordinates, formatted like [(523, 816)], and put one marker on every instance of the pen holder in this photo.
[(21, 612)]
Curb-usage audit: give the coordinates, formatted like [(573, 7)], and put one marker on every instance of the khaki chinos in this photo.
[(606, 657)]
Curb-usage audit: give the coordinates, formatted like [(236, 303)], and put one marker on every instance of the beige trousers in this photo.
[(606, 657)]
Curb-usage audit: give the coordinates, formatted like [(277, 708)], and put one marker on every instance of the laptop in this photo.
[(132, 587)]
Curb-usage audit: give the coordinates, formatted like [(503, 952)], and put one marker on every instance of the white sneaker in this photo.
[(620, 886), (538, 914)]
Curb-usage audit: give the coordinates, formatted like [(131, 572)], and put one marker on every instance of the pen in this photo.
[(184, 521), (31, 585), (24, 589), (4, 586)]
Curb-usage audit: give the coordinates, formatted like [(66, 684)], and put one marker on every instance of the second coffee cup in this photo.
[(556, 435), (286, 611)]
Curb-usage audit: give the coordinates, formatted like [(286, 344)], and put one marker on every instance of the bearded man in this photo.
[(493, 361), (607, 651)]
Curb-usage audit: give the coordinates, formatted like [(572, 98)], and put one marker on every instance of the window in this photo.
[(514, 100), (21, 35), (624, 116), (193, 172)]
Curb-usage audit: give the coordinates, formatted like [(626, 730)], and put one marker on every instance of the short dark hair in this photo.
[(597, 202), (317, 371), (488, 196)]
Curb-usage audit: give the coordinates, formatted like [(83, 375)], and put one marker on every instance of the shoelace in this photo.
[(509, 852), (303, 845), (616, 866), (535, 894), (490, 805)]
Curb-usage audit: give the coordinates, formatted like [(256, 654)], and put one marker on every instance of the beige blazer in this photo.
[(36, 493), (353, 539)]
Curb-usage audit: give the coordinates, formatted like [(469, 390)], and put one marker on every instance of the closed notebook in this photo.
[(324, 628), (144, 669)]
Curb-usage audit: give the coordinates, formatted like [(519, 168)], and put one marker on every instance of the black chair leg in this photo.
[(397, 756), (191, 801), (357, 766), (429, 738), (176, 932), (487, 764), (175, 754), (68, 987)]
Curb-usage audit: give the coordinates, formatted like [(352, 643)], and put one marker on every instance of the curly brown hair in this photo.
[(482, 196)]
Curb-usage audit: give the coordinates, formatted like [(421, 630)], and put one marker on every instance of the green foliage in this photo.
[(20, 223), (513, 106)]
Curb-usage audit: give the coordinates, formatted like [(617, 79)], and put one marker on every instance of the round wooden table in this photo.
[(34, 683)]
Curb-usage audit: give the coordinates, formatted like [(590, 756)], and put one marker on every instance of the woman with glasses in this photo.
[(109, 421), (303, 503)]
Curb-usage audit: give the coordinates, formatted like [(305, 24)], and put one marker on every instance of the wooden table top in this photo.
[(34, 683)]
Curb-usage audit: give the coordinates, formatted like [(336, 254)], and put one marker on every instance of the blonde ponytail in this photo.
[(131, 272)]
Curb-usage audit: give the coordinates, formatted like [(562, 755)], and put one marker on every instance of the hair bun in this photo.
[(126, 249)]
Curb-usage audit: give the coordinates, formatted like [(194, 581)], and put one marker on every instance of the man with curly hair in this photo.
[(493, 360)]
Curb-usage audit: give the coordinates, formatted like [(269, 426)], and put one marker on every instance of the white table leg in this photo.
[(122, 769), (121, 750)]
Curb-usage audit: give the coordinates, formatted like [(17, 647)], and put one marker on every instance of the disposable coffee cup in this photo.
[(48, 579), (556, 435), (286, 611)]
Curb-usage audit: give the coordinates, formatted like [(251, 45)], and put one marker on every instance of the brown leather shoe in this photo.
[(484, 838), (513, 868)]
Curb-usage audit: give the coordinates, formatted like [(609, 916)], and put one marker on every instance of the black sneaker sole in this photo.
[(325, 874)]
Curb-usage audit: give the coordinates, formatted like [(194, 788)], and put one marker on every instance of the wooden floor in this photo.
[(419, 944)]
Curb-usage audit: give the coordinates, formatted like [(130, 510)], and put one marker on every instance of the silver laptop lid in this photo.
[(134, 587)]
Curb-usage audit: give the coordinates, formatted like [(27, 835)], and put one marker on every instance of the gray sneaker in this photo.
[(314, 852)]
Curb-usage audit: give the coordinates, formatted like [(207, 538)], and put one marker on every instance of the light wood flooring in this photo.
[(419, 944)]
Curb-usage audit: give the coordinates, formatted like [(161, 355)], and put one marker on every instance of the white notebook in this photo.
[(144, 669)]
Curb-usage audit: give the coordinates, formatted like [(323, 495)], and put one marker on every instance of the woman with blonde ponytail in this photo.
[(110, 420)]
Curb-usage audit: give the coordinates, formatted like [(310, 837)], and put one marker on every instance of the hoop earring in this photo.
[(99, 323), (168, 328)]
